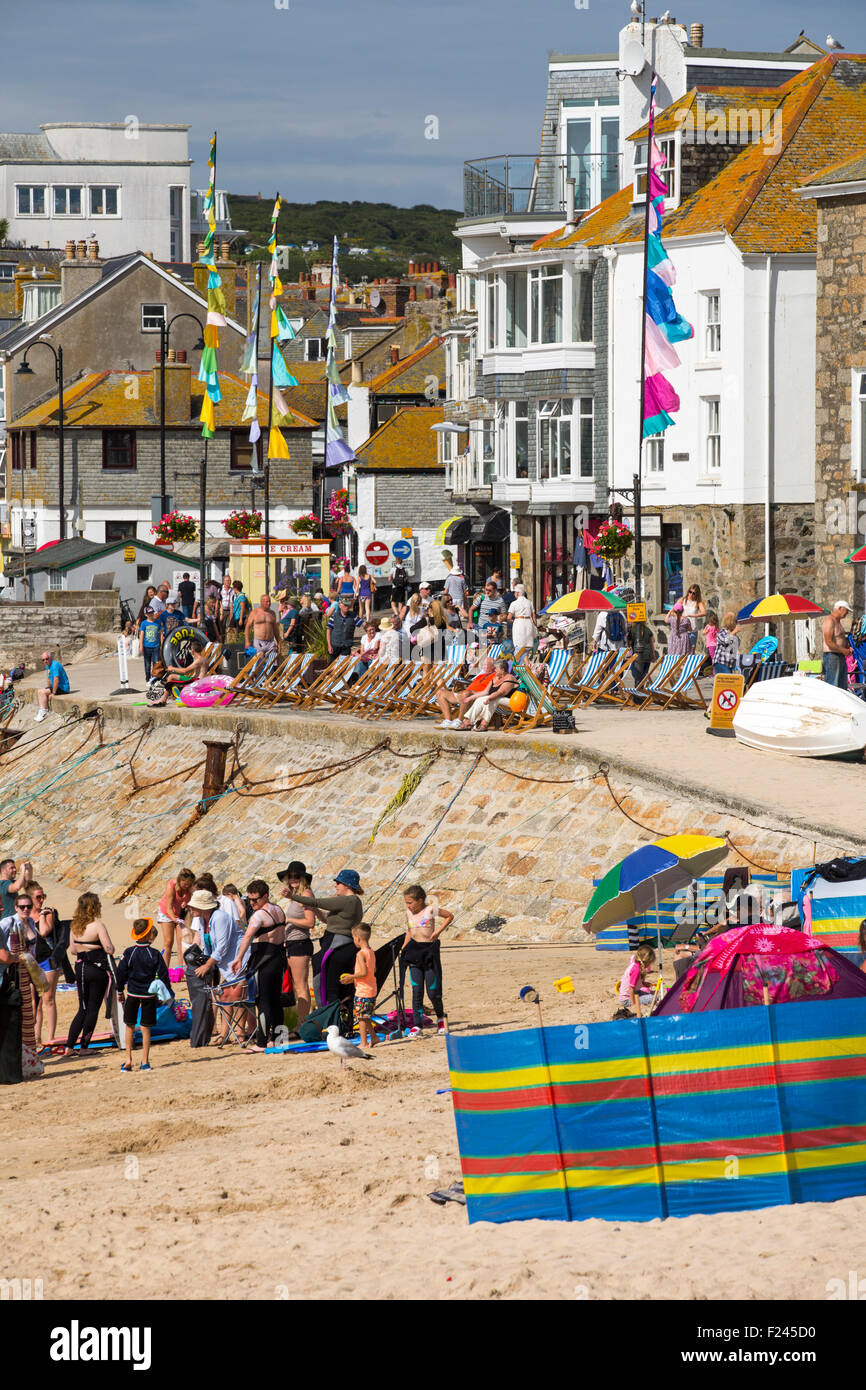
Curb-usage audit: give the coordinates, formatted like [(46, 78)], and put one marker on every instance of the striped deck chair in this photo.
[(351, 696), (657, 680), (250, 672), (540, 708), (279, 682), (413, 686), (379, 698), (250, 688), (325, 685), (768, 671), (214, 654), (610, 685), (683, 690), (590, 678)]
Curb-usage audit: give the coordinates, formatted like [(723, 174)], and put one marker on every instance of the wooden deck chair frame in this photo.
[(379, 698), (263, 690), (656, 683), (543, 706), (592, 677), (277, 688), (247, 673), (323, 685), (251, 688), (678, 696), (610, 687)]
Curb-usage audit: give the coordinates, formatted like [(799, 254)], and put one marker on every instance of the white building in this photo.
[(126, 184)]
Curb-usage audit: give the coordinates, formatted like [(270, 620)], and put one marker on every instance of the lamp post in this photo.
[(26, 370), (164, 330)]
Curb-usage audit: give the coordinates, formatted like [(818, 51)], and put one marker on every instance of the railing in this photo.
[(463, 381), (515, 183)]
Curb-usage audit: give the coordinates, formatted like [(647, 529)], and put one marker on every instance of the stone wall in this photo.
[(526, 851), (27, 629), (104, 604), (840, 348)]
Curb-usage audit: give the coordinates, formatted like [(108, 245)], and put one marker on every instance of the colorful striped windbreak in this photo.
[(723, 1111), (837, 910)]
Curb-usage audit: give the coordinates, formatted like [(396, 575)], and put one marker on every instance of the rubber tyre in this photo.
[(178, 641)]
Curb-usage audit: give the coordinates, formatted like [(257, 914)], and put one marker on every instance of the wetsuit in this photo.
[(94, 970), (425, 969), (268, 964)]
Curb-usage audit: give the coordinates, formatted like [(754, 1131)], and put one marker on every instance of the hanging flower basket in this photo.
[(243, 524), (338, 513), (612, 541), (306, 525), (173, 527)]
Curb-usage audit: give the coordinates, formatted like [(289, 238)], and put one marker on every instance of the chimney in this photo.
[(395, 356), (357, 375), (452, 282), (178, 405), (411, 268), (200, 272), (569, 205), (79, 271), (228, 273), (413, 293), (696, 35)]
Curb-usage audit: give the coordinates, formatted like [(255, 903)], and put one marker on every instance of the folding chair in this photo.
[(325, 685), (234, 1013), (277, 686), (609, 685), (656, 682), (677, 694), (768, 671), (250, 687), (591, 677)]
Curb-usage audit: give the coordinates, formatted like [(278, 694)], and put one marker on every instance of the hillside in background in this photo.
[(392, 235)]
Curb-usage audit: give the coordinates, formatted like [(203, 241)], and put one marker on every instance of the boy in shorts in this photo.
[(137, 968), (365, 984)]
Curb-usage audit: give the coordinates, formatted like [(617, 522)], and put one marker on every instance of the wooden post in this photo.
[(214, 771), (9, 737)]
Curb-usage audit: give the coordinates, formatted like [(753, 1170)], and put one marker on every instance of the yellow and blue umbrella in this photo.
[(776, 606), (649, 873)]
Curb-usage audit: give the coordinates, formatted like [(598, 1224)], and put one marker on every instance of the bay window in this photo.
[(564, 430), (545, 304), (521, 440), (515, 309), (492, 310)]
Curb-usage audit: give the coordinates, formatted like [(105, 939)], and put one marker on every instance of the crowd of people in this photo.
[(241, 960)]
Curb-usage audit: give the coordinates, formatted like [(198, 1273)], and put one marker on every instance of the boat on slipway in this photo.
[(802, 716)]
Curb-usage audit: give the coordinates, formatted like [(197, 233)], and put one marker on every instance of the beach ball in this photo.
[(518, 702)]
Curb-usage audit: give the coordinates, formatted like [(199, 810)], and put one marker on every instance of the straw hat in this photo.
[(203, 901), (385, 625)]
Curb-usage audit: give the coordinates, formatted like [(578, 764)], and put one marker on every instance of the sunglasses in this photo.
[(24, 904)]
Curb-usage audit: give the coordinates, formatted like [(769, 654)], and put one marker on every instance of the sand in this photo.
[(222, 1175)]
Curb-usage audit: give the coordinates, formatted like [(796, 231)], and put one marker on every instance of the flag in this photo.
[(280, 375), (664, 324), (337, 451), (208, 371)]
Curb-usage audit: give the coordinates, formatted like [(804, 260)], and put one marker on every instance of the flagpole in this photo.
[(266, 456), (258, 322), (638, 529), (327, 395)]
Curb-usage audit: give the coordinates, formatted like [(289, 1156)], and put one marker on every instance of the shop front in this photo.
[(481, 543), (308, 562)]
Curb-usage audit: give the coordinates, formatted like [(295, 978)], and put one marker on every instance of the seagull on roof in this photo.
[(342, 1048), (833, 43), (635, 8), (665, 17)]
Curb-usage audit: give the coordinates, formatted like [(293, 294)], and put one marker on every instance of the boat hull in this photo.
[(802, 716)]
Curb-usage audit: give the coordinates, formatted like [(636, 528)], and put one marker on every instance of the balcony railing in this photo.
[(515, 183)]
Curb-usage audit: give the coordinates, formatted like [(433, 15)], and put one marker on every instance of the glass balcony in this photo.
[(536, 183)]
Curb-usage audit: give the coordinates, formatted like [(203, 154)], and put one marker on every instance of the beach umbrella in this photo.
[(776, 606), (585, 601), (857, 557), (651, 872)]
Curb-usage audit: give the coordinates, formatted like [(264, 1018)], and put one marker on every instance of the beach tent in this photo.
[(762, 965)]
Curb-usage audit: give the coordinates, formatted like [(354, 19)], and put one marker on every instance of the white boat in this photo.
[(803, 716)]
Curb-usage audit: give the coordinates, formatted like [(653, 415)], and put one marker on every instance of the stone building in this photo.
[(839, 197)]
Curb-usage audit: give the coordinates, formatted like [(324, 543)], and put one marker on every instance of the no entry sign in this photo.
[(377, 553)]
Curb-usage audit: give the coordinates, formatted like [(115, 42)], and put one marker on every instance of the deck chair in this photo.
[(250, 687), (540, 708), (768, 671), (413, 685), (324, 686), (610, 683), (214, 653), (277, 686), (589, 680), (684, 691), (656, 682)]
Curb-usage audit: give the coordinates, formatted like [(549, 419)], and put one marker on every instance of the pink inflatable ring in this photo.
[(210, 690)]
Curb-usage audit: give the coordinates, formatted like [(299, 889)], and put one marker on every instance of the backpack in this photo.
[(401, 578), (616, 628)]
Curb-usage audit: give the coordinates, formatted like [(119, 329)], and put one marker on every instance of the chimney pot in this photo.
[(452, 282), (181, 355), (171, 355), (158, 355), (411, 268), (413, 294), (93, 251), (696, 35), (357, 377), (436, 266), (224, 250), (395, 356), (81, 250), (70, 250)]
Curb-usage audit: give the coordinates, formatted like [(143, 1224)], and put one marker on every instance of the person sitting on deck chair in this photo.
[(482, 710)]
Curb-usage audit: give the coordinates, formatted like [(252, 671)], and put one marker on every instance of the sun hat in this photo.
[(294, 870), (424, 584), (385, 625), (143, 933), (842, 603), (203, 901), (351, 878)]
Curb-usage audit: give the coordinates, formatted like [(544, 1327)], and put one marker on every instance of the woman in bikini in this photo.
[(170, 914)]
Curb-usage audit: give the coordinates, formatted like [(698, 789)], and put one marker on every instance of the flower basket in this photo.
[(338, 513), (242, 524), (612, 541), (306, 525), (174, 527)]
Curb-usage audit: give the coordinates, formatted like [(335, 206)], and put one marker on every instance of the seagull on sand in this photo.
[(342, 1048)]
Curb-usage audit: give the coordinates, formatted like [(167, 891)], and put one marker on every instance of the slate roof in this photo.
[(405, 442), (409, 375), (27, 147), (754, 197), (847, 171), (100, 400)]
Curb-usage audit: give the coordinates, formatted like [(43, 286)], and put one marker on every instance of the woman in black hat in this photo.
[(300, 921)]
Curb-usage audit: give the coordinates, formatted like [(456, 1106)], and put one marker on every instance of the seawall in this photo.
[(516, 829)]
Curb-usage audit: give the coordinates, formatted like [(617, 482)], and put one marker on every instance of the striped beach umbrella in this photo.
[(776, 606), (857, 557), (649, 873), (585, 601)]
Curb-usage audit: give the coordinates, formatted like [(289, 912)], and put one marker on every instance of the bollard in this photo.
[(214, 770)]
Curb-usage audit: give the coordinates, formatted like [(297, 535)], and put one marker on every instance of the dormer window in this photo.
[(670, 171)]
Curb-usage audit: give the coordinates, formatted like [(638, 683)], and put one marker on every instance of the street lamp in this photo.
[(26, 370), (164, 330)]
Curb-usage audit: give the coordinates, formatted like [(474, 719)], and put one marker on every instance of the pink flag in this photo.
[(659, 353), (659, 396)]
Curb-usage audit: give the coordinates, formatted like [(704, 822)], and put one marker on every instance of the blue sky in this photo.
[(328, 98)]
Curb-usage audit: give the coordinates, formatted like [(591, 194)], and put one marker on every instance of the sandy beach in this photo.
[(223, 1175)]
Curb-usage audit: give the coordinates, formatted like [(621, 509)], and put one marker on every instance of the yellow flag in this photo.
[(277, 446), (207, 415)]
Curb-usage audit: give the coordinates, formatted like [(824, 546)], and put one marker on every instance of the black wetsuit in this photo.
[(94, 970), (424, 962)]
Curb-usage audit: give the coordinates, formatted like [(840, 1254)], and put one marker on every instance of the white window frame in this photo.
[(554, 419), (2, 395), (492, 312), (7, 277), (102, 189), (67, 188), (55, 581), (712, 307), (595, 112), (858, 423), (670, 148), (322, 351), (467, 292), (31, 188), (538, 277), (515, 414), (712, 446), (655, 456), (149, 322), (33, 292), (574, 277)]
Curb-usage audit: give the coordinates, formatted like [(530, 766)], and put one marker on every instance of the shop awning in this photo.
[(447, 533)]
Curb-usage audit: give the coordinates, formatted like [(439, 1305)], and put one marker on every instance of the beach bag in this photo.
[(313, 1027), (616, 628)]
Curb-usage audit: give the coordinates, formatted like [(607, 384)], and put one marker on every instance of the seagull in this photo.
[(665, 17), (635, 8), (833, 43), (342, 1048)]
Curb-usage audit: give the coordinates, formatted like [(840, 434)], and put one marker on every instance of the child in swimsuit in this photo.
[(420, 951), (365, 984)]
